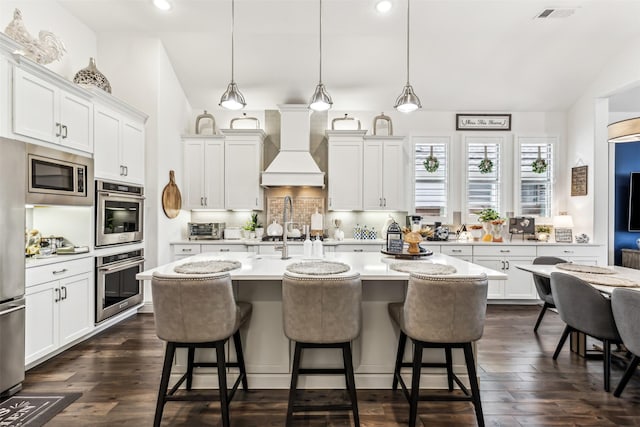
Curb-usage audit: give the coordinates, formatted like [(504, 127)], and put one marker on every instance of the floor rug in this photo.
[(33, 409)]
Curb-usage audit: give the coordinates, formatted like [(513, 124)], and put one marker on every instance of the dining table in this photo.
[(603, 278)]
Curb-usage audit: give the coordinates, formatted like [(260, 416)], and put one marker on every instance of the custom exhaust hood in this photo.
[(293, 165)]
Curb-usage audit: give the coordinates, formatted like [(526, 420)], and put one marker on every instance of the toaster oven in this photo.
[(205, 230)]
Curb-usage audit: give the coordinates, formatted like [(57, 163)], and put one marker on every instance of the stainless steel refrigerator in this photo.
[(12, 303)]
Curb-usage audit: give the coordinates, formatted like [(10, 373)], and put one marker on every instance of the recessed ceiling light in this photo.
[(384, 6), (162, 4)]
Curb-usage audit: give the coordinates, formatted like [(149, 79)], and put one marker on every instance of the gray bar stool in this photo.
[(440, 312), (198, 312), (322, 312)]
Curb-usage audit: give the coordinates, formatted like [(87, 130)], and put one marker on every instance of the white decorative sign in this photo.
[(483, 121)]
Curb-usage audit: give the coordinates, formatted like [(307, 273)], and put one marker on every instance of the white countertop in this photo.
[(425, 243), (370, 265)]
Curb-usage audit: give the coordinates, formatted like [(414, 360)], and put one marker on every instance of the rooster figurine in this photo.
[(43, 50)]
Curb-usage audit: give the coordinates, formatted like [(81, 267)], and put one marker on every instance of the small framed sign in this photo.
[(522, 225), (483, 121), (579, 176), (563, 235)]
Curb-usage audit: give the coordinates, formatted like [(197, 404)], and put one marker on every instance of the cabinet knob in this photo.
[(57, 298), (358, 250), (224, 249), (64, 270), (568, 252), (456, 250), (64, 131), (58, 129), (187, 249), (505, 251), (64, 293), (384, 199), (206, 202)]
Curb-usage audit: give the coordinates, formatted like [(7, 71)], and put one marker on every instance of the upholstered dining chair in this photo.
[(440, 312), (198, 312), (625, 304), (543, 286), (584, 309), (322, 312)]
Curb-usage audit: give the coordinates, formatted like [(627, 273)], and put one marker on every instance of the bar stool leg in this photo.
[(351, 383), (294, 382), (190, 357), (222, 383), (402, 342), (243, 372), (473, 381), (448, 358), (164, 382), (415, 383)]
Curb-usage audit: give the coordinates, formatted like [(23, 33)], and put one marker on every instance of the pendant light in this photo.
[(408, 101), (232, 99), (321, 100)]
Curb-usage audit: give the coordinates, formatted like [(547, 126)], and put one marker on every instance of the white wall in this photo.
[(587, 141), (79, 40)]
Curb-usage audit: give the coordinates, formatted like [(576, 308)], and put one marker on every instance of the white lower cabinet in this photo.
[(519, 284), (575, 253), (60, 310)]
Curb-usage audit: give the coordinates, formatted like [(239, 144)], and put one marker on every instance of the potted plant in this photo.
[(487, 217), (542, 232), (253, 227)]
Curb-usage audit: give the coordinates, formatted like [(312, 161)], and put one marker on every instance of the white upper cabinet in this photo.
[(119, 149), (383, 172), (45, 111), (345, 169), (242, 168), (203, 186)]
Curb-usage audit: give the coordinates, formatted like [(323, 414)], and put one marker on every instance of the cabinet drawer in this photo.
[(358, 248), (456, 250), (504, 250), (569, 251), (186, 249), (223, 248), (47, 273)]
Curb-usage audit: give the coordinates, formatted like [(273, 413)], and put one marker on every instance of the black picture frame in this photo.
[(522, 225), (483, 122)]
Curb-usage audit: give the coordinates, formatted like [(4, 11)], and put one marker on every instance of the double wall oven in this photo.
[(119, 223)]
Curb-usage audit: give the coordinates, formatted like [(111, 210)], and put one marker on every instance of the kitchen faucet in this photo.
[(287, 202)]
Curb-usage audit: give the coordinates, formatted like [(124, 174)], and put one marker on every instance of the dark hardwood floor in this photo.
[(118, 373)]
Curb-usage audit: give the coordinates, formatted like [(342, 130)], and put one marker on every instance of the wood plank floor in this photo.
[(118, 373)]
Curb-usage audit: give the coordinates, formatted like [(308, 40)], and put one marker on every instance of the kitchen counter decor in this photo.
[(171, 197), (409, 255), (92, 76), (44, 50), (423, 268), (581, 268), (318, 268), (207, 267)]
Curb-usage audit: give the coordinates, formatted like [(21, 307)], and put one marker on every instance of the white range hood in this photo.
[(293, 165)]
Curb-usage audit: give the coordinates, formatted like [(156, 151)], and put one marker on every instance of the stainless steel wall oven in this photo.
[(117, 288), (119, 213)]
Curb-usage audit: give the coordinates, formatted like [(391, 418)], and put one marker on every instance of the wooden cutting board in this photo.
[(171, 198)]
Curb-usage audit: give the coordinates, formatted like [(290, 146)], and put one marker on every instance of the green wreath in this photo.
[(485, 166), (539, 165), (431, 164)]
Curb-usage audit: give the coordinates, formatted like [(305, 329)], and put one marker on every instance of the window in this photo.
[(536, 189), (483, 189), (431, 188)]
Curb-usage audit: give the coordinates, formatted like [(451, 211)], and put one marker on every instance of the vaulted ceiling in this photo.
[(476, 55)]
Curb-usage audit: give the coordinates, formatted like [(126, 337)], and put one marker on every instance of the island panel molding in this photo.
[(490, 122)]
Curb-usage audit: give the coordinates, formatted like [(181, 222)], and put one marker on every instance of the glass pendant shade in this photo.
[(408, 101), (321, 100), (232, 99)]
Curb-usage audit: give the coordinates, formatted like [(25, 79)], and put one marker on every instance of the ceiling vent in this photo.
[(555, 13)]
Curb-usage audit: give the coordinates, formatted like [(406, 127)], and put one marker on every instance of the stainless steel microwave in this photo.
[(58, 178)]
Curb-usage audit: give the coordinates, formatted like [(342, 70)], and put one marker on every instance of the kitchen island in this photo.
[(268, 353)]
